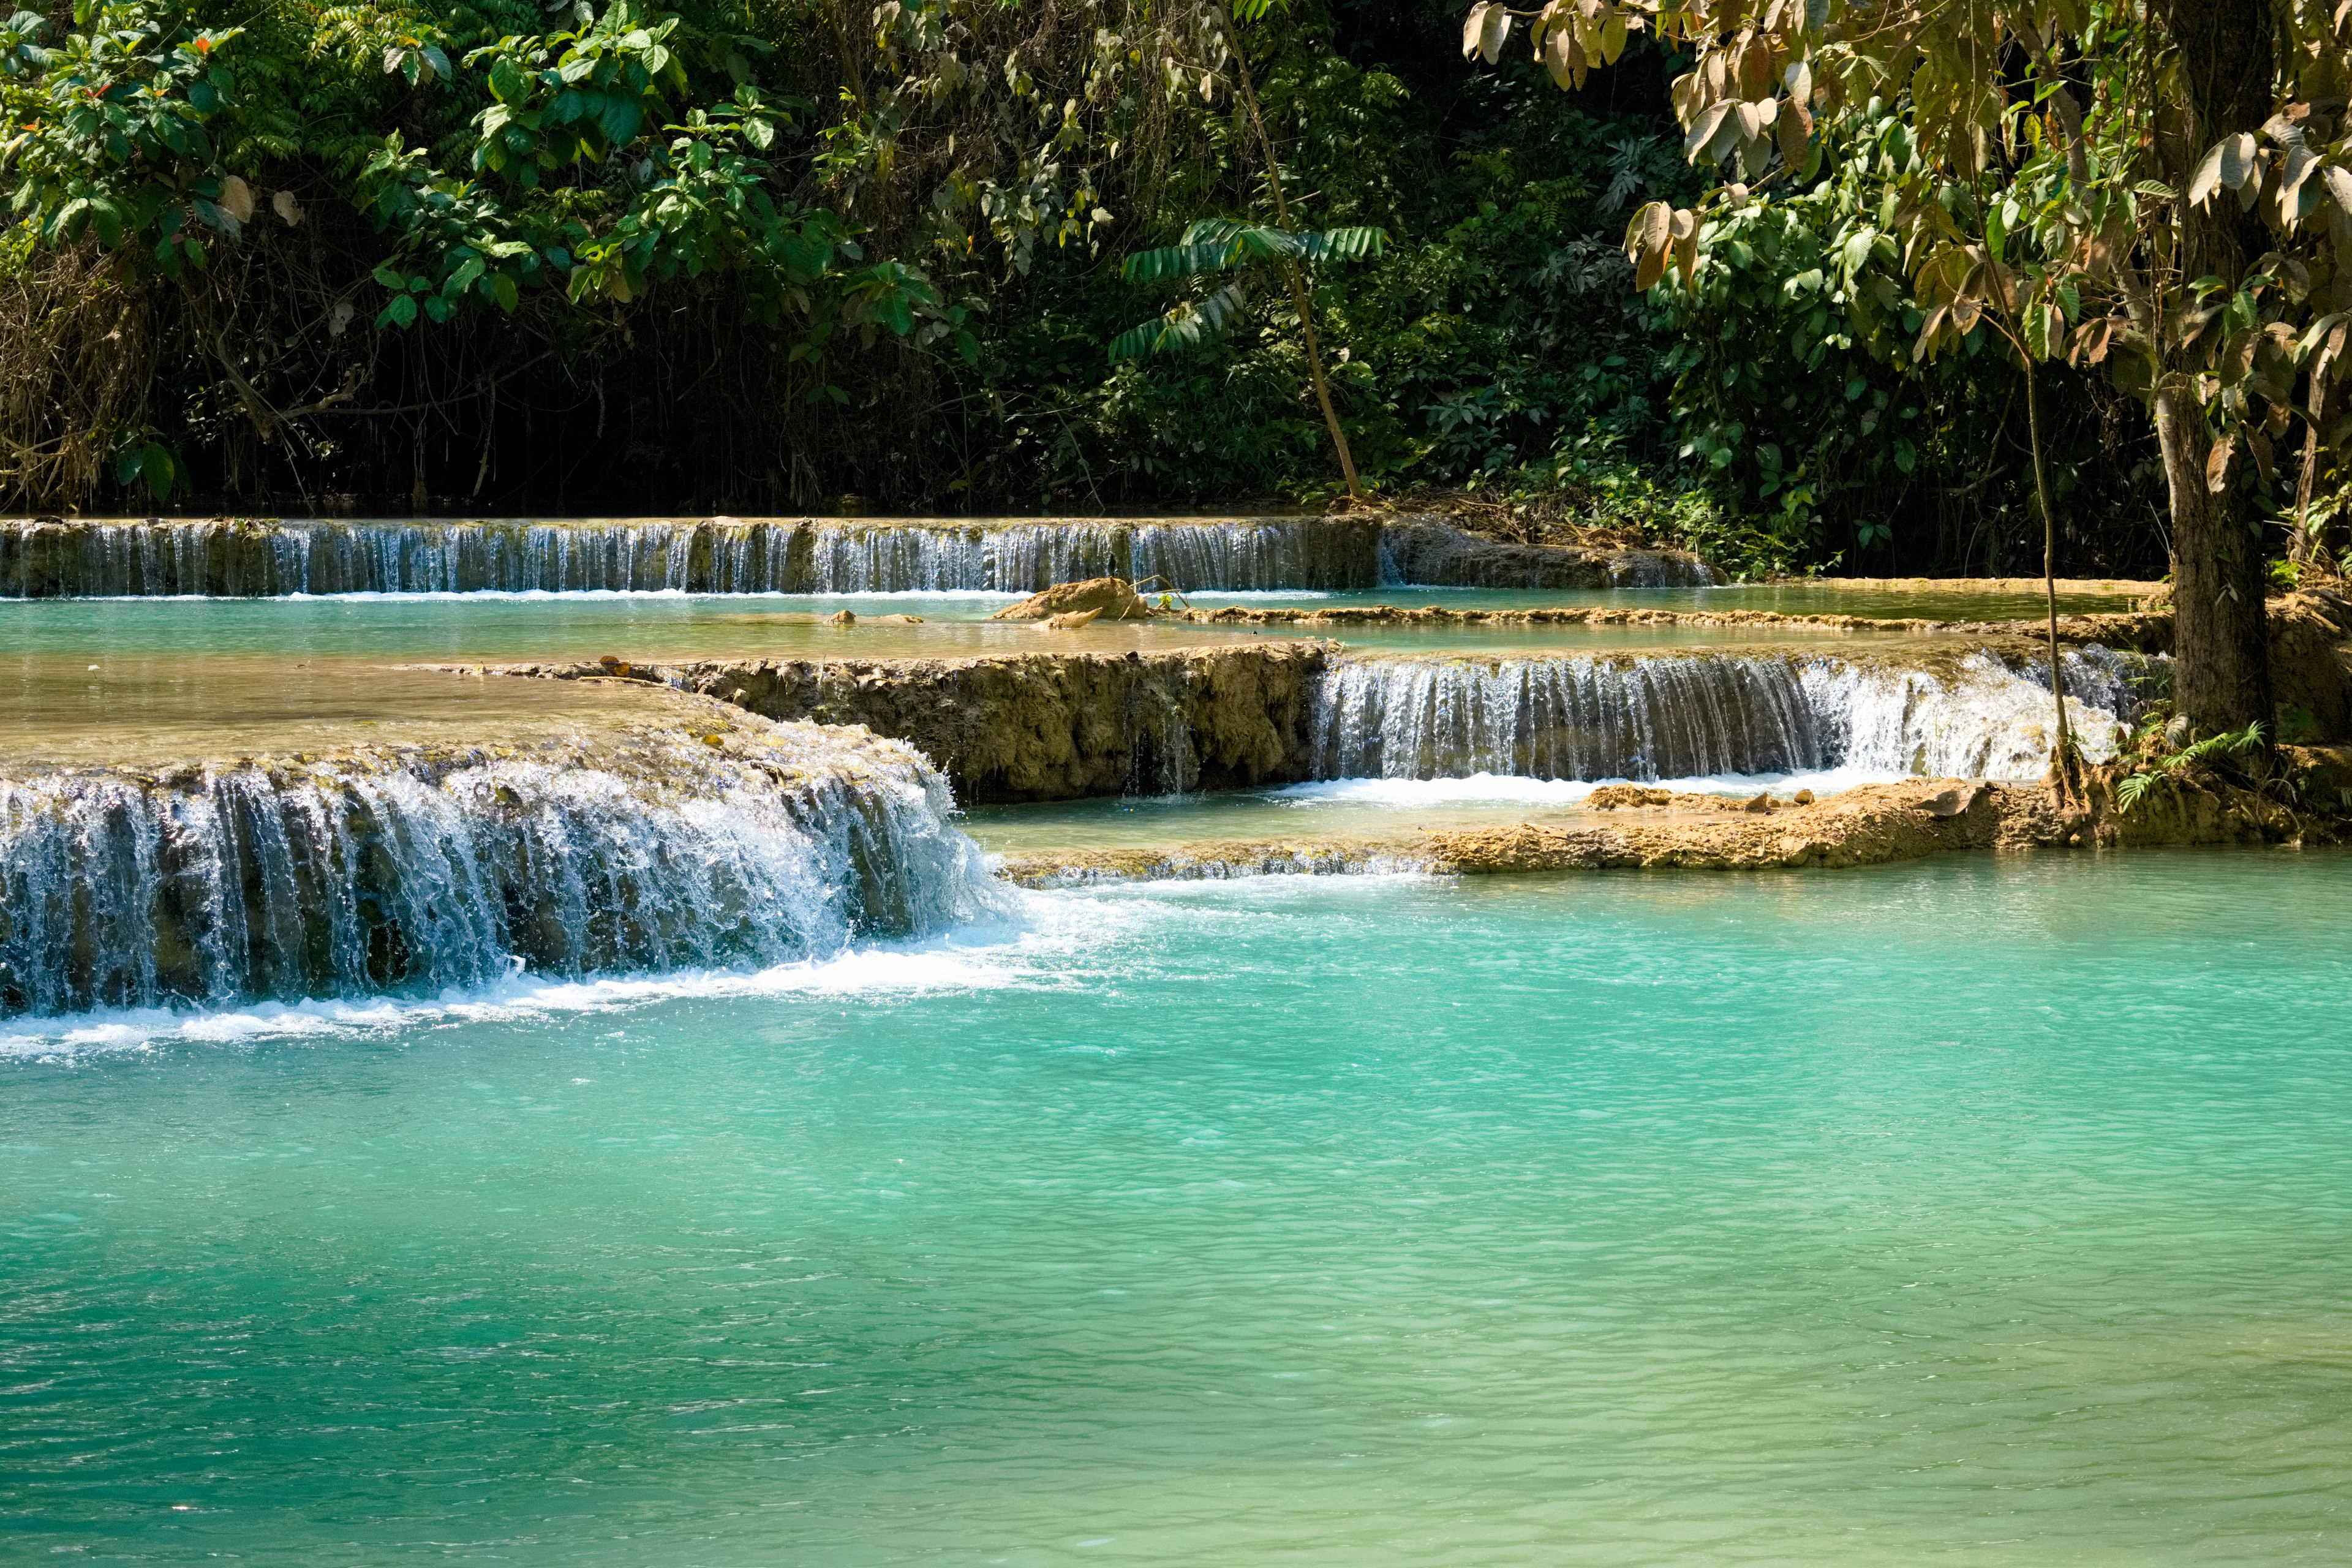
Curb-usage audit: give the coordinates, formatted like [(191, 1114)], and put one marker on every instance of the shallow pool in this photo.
[(1981, 1211)]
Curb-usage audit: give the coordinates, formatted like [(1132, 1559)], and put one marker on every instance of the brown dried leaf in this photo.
[(1646, 238), (1930, 330), (1792, 141), (1560, 58), (2217, 464), (1493, 29), (1702, 131), (1474, 28), (2238, 354), (1612, 36), (2238, 163), (2260, 446)]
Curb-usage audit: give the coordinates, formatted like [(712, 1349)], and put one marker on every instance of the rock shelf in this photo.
[(1869, 826)]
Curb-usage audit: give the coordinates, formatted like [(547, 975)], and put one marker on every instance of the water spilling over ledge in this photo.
[(415, 871), (1698, 715), (1068, 726), (248, 558)]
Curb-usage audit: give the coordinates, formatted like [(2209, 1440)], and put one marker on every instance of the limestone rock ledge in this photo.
[(1431, 553), (1061, 725), (1870, 826)]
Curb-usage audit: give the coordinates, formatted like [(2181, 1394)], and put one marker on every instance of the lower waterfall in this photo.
[(414, 871), (1701, 715)]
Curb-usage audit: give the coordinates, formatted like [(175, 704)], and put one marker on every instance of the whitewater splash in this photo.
[(418, 872), (247, 559), (1704, 715)]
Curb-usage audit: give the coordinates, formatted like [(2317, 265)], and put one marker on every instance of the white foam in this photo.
[(994, 957)]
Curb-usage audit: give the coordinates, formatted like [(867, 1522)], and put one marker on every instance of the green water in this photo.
[(1979, 1211)]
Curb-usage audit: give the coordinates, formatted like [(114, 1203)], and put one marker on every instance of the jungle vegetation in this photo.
[(762, 255)]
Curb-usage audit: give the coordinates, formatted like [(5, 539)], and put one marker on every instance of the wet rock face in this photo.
[(2311, 663), (1059, 726), (1438, 554)]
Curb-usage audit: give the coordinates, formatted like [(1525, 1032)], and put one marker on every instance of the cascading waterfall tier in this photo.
[(1702, 714), (254, 559), (414, 871)]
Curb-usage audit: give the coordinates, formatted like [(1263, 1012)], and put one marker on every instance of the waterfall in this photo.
[(232, 558), (1698, 715), (412, 872)]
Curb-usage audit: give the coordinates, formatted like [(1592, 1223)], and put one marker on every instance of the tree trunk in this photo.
[(2221, 634), (2222, 676)]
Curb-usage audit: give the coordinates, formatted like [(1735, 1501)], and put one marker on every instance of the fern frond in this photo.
[(1186, 326), (1342, 244), (1186, 260), (2131, 790)]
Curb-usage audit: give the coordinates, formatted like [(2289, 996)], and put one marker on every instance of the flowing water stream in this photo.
[(465, 1119), (1979, 1211)]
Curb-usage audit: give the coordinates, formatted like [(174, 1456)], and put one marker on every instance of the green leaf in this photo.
[(155, 466), (1187, 326)]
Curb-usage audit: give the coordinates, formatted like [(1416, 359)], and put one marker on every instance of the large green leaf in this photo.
[(1223, 244), (1186, 326)]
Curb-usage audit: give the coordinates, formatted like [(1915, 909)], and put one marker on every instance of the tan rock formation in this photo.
[(1045, 726), (1432, 550), (1111, 598), (1873, 824)]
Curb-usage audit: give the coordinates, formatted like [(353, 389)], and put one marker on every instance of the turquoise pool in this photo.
[(1988, 1212)]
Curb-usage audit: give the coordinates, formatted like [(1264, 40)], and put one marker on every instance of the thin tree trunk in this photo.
[(1315, 372), (2305, 548), (2062, 745), (1300, 300)]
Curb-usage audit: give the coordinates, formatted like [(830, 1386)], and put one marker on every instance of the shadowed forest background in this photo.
[(787, 257)]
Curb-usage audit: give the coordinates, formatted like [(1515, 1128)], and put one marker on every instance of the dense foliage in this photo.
[(764, 255), (2165, 188)]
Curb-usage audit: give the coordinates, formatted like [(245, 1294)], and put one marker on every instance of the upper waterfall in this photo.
[(248, 558), (417, 870), (253, 559)]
